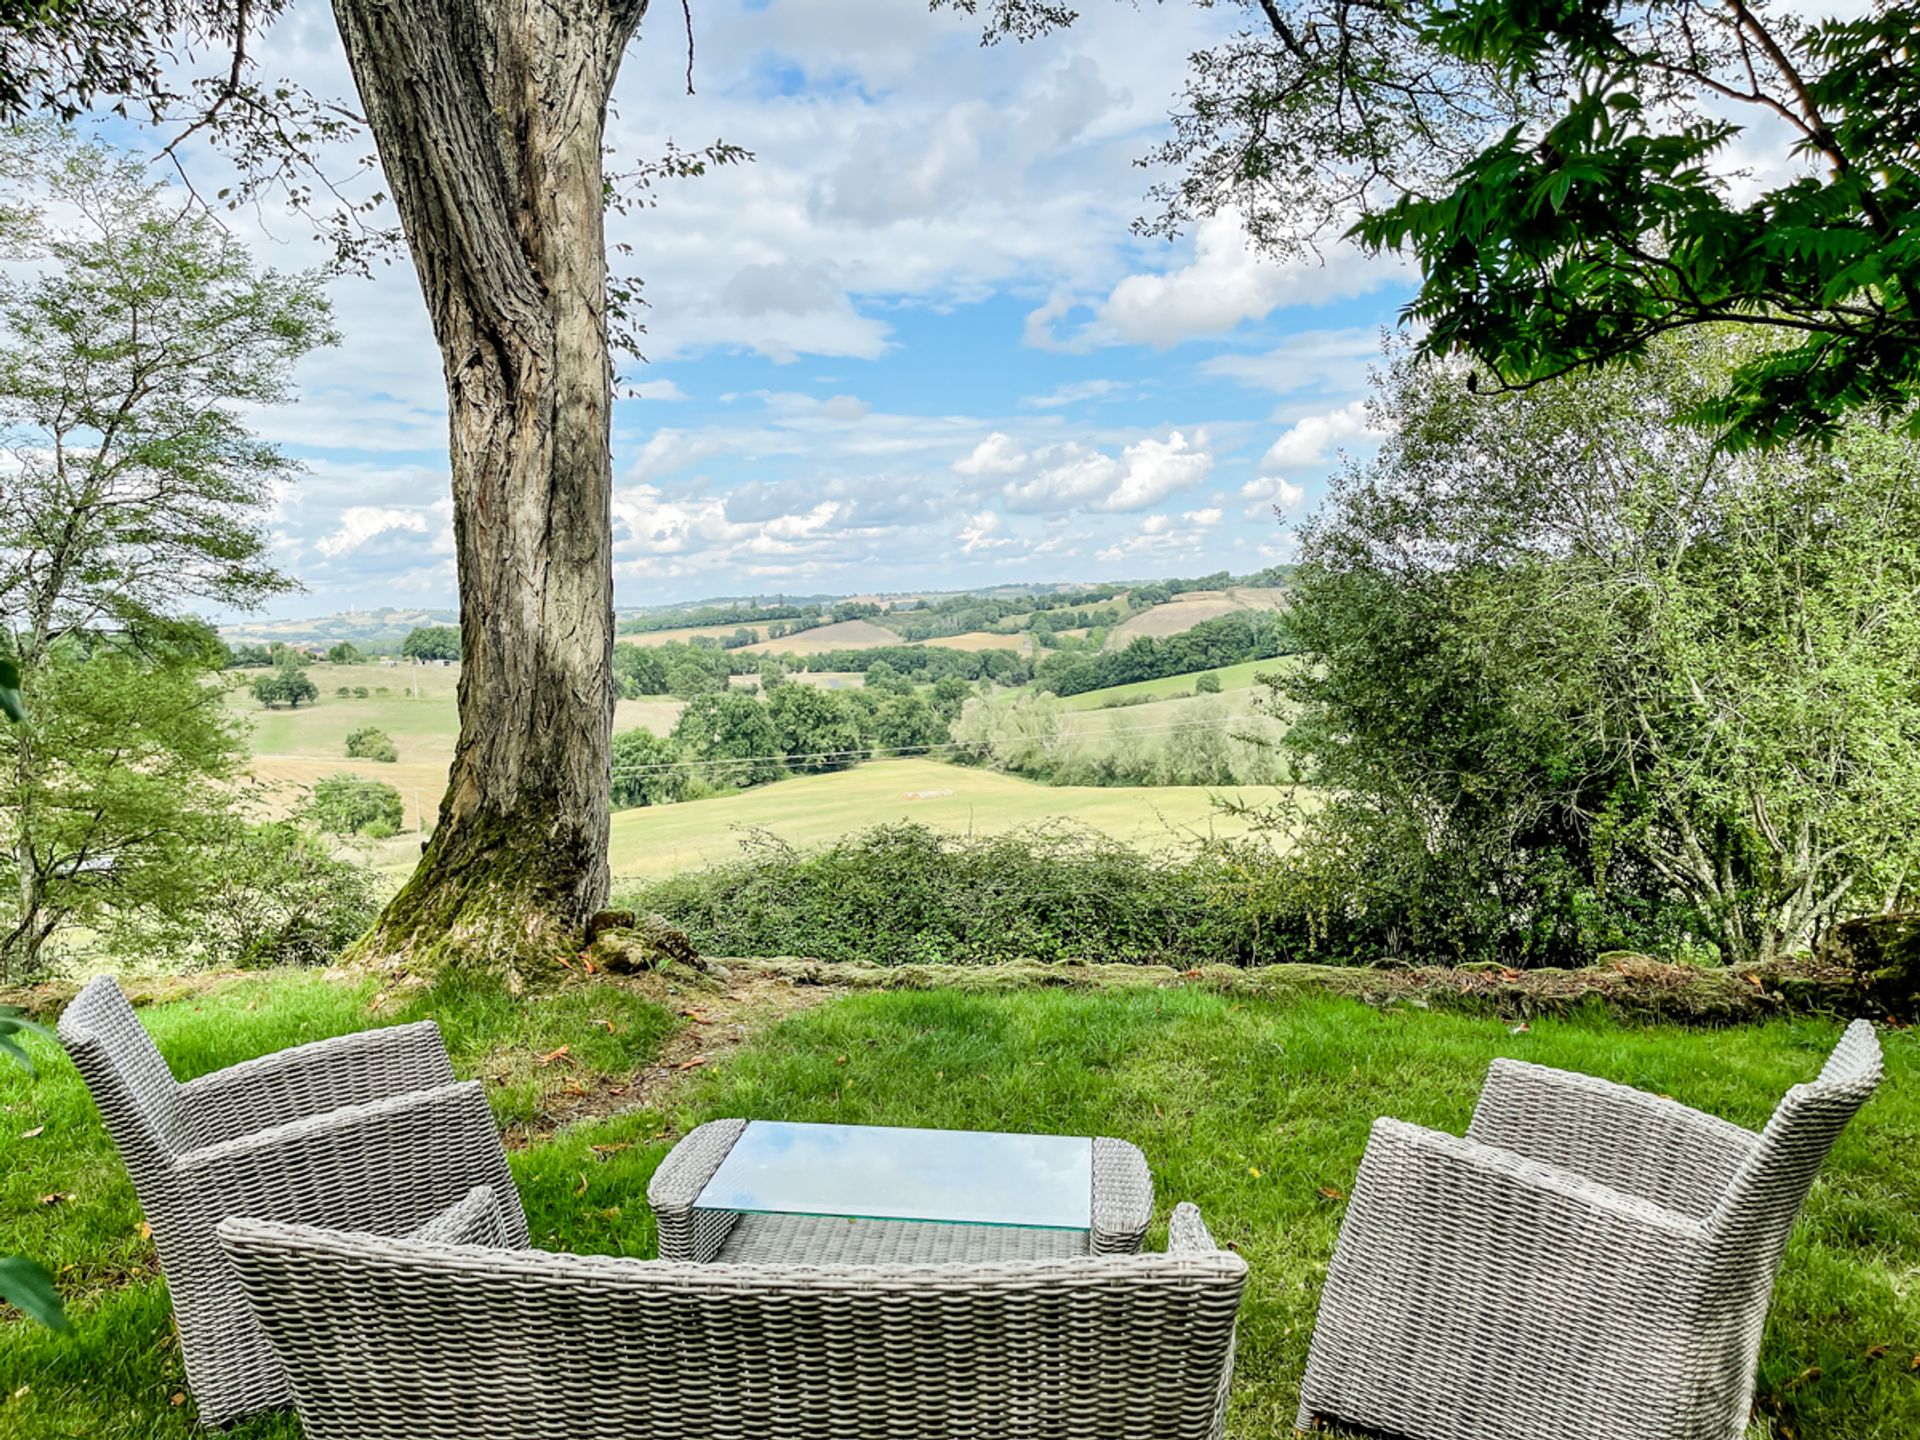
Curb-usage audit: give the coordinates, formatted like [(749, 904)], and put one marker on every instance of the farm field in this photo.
[(816, 809), (1187, 610), (842, 635), (977, 640), (687, 633), (1232, 677), (294, 748)]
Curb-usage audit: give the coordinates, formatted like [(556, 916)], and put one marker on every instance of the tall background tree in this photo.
[(1577, 679), (1561, 176), (132, 337), (488, 118)]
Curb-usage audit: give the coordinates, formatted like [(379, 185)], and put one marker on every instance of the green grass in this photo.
[(1232, 677), (813, 810), (1251, 1109), (117, 1374)]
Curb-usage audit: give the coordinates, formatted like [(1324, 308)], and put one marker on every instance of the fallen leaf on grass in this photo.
[(690, 1064), (1755, 981), (839, 1059), (565, 1052), (613, 1149), (34, 1133), (612, 1029), (1512, 977), (1875, 1352), (696, 1017), (581, 1188), (58, 1197), (1327, 1192), (1521, 1029), (144, 1230), (573, 1087), (1812, 1372), (179, 1397)]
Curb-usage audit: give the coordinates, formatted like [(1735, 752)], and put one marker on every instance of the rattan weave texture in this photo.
[(1590, 1263), (366, 1131), (1121, 1205), (404, 1340)]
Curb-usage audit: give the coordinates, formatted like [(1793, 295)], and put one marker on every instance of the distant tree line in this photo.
[(1228, 640), (731, 739)]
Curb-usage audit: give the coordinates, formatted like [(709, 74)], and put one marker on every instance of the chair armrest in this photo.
[(1468, 1177), (1122, 1198), (312, 1079), (1623, 1138), (386, 1167), (1187, 1233), (687, 1234)]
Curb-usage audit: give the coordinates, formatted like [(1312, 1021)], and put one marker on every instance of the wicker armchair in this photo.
[(388, 1339), (1590, 1263), (367, 1131)]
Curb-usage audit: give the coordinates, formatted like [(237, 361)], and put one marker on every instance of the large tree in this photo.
[(1561, 174), (1576, 679), (132, 339), (488, 117)]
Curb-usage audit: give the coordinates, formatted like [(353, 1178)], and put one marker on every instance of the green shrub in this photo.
[(1206, 683), (342, 692), (352, 805), (902, 894), (360, 692), (278, 898), (370, 742)]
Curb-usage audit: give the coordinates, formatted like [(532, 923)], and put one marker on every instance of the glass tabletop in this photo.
[(874, 1172)]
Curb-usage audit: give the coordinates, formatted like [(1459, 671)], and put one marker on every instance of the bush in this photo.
[(360, 692), (342, 692), (370, 742), (352, 805), (1206, 683), (902, 894), (278, 898), (648, 770)]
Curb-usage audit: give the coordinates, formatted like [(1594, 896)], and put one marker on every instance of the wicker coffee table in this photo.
[(774, 1192)]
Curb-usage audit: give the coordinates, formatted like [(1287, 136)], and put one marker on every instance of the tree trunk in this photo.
[(489, 117)]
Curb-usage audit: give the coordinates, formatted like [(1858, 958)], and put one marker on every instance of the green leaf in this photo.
[(10, 691), (29, 1289)]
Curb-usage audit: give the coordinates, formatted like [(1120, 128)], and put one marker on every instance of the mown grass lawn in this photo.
[(1255, 1110)]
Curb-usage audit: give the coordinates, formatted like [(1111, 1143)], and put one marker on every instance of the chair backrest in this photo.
[(129, 1081), (1756, 1214), (383, 1337)]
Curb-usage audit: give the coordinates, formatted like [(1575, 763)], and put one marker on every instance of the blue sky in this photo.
[(914, 345)]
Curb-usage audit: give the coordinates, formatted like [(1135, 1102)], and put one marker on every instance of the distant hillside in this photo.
[(1186, 610), (374, 631)]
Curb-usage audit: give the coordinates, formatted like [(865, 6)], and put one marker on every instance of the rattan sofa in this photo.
[(1590, 1263), (366, 1131), (409, 1339)]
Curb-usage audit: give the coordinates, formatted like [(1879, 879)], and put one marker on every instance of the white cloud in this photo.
[(361, 523), (1225, 284), (657, 390), (981, 532), (1159, 468), (1333, 361), (1073, 393), (998, 454), (1306, 443)]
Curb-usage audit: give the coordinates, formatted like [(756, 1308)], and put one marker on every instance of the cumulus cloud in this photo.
[(1308, 440), (1309, 360), (998, 454), (1226, 284), (1158, 468), (362, 523)]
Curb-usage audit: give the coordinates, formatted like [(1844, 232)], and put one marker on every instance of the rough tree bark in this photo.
[(489, 116)]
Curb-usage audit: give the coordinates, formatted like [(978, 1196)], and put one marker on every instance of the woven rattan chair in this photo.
[(1590, 1263), (367, 1131), (405, 1340), (1122, 1204)]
